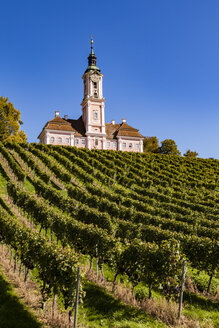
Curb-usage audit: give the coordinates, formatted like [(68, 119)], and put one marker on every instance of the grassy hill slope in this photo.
[(108, 198)]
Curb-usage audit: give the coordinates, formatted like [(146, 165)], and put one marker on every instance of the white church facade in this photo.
[(90, 130)]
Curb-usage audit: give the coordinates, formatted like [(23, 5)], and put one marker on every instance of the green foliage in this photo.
[(150, 144), (2, 184), (12, 163), (201, 309), (168, 146), (30, 162), (83, 237), (10, 122), (154, 265), (201, 279), (56, 267), (130, 206), (191, 154)]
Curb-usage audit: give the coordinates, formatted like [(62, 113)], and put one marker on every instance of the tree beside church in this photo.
[(10, 122)]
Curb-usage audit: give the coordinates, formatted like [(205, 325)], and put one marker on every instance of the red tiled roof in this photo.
[(119, 130), (112, 130), (59, 127), (57, 123), (135, 134), (125, 127)]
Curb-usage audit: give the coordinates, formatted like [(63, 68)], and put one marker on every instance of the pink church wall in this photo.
[(134, 142), (133, 148), (93, 144), (111, 143), (96, 108), (80, 143), (63, 136), (46, 139), (96, 129)]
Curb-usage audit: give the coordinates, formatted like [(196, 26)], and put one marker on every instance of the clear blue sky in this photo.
[(160, 60)]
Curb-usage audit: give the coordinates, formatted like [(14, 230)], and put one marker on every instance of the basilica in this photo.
[(90, 130)]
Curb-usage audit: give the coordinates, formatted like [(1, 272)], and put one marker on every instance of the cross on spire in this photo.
[(92, 59), (92, 41)]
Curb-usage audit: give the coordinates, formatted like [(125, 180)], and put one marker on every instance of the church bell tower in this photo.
[(93, 104)]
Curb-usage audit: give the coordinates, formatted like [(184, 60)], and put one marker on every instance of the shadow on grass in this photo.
[(100, 305), (200, 301), (13, 313)]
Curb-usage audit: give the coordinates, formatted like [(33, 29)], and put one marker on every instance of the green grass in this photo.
[(14, 314), (2, 185), (201, 279), (29, 186), (101, 309), (195, 306), (199, 308)]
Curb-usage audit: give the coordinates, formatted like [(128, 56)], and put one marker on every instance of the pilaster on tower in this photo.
[(93, 100)]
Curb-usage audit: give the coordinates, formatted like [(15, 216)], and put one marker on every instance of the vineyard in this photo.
[(141, 215)]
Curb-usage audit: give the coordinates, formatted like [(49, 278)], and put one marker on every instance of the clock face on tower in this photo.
[(95, 78)]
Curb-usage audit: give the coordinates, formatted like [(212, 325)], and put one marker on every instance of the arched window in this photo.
[(52, 139), (59, 139), (95, 115)]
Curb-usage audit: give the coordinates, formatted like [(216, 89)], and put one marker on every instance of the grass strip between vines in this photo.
[(13, 313)]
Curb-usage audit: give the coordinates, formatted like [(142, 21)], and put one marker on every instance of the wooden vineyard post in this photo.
[(97, 261), (25, 275), (209, 283), (15, 262), (51, 233), (77, 298), (181, 289), (91, 264)]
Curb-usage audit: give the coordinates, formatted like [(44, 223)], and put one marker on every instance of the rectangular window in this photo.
[(95, 85), (96, 142), (59, 140), (130, 145), (83, 141), (114, 145), (52, 139), (77, 141), (124, 145), (108, 144)]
